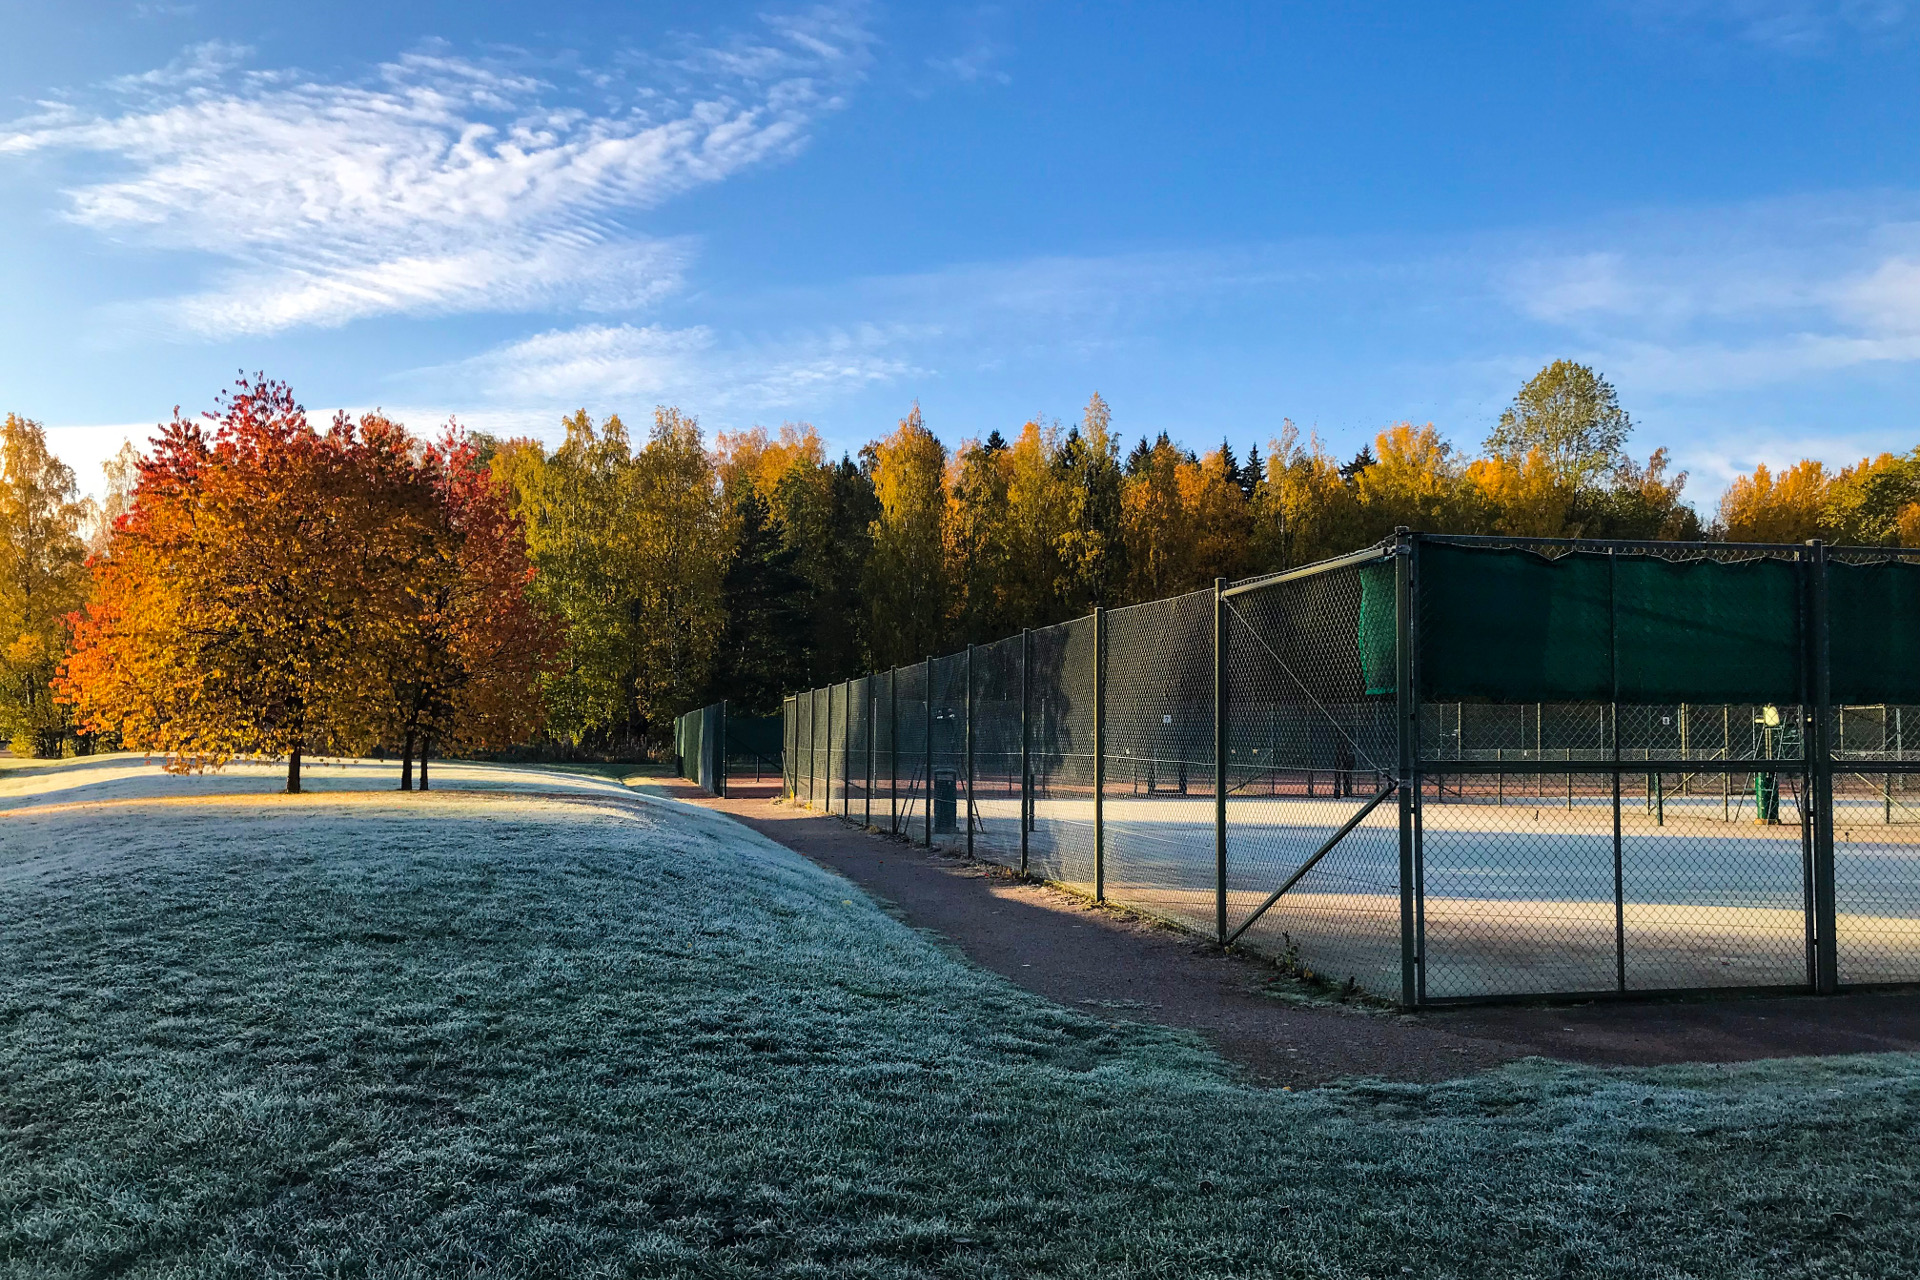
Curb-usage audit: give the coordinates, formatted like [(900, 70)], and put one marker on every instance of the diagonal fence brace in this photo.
[(1313, 859)]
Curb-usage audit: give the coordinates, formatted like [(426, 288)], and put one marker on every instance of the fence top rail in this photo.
[(1128, 610), (1367, 555)]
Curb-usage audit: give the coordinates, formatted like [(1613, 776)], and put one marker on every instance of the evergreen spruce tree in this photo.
[(768, 637)]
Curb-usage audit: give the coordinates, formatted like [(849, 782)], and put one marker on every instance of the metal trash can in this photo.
[(946, 805)]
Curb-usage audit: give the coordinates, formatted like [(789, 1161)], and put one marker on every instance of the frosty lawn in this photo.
[(509, 1035)]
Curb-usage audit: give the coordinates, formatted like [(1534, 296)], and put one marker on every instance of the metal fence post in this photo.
[(969, 740), (873, 742), (846, 752), (1220, 759), (720, 752), (1619, 865), (1819, 750), (927, 790), (810, 745), (893, 751), (1026, 742), (1405, 727), (1099, 755), (1613, 730)]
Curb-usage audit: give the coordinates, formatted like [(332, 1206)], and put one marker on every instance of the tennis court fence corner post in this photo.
[(1220, 760), (969, 727), (1819, 748), (1026, 742), (1406, 709), (1099, 754), (926, 792)]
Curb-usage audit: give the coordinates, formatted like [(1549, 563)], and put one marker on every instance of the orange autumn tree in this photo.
[(240, 599), (1789, 507), (470, 644)]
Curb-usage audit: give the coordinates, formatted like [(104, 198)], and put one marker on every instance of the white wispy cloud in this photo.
[(1788, 26), (1711, 299), (981, 63), (441, 184), (693, 366)]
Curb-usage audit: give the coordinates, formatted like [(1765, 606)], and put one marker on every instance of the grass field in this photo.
[(557, 1035)]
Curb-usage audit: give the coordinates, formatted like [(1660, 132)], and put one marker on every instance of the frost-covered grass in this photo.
[(503, 1035), (129, 775)]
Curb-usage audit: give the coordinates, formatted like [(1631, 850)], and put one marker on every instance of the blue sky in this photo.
[(1218, 216)]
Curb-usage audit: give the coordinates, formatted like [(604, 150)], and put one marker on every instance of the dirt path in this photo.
[(1115, 965)]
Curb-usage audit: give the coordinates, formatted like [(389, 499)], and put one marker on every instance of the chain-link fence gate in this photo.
[(1446, 768)]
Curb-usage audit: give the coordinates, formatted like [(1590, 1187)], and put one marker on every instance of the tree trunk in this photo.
[(406, 764), (423, 764), (293, 773)]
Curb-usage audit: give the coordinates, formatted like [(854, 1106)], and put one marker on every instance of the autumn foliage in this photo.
[(43, 578), (267, 587), (279, 590)]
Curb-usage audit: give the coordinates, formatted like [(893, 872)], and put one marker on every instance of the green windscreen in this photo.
[(1513, 626), (1874, 633), (1379, 635)]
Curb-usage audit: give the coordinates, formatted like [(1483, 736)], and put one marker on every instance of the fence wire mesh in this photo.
[(820, 725), (1158, 789), (1308, 750), (1426, 848), (1518, 899), (1517, 733), (1061, 679), (1536, 882), (909, 759), (946, 735), (997, 730), (1876, 853), (859, 787)]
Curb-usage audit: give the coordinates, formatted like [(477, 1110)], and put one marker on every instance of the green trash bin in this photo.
[(946, 801)]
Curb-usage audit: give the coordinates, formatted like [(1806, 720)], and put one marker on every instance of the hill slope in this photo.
[(508, 1035)]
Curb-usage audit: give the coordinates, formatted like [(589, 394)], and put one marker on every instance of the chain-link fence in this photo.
[(713, 745), (1446, 768)]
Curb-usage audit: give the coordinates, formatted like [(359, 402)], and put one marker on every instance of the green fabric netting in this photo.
[(1873, 613), (1379, 634), (1513, 626)]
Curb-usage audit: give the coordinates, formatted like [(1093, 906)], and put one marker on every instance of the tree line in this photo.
[(257, 584)]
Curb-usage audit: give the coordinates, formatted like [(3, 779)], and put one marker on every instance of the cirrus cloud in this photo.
[(622, 363), (438, 185)]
